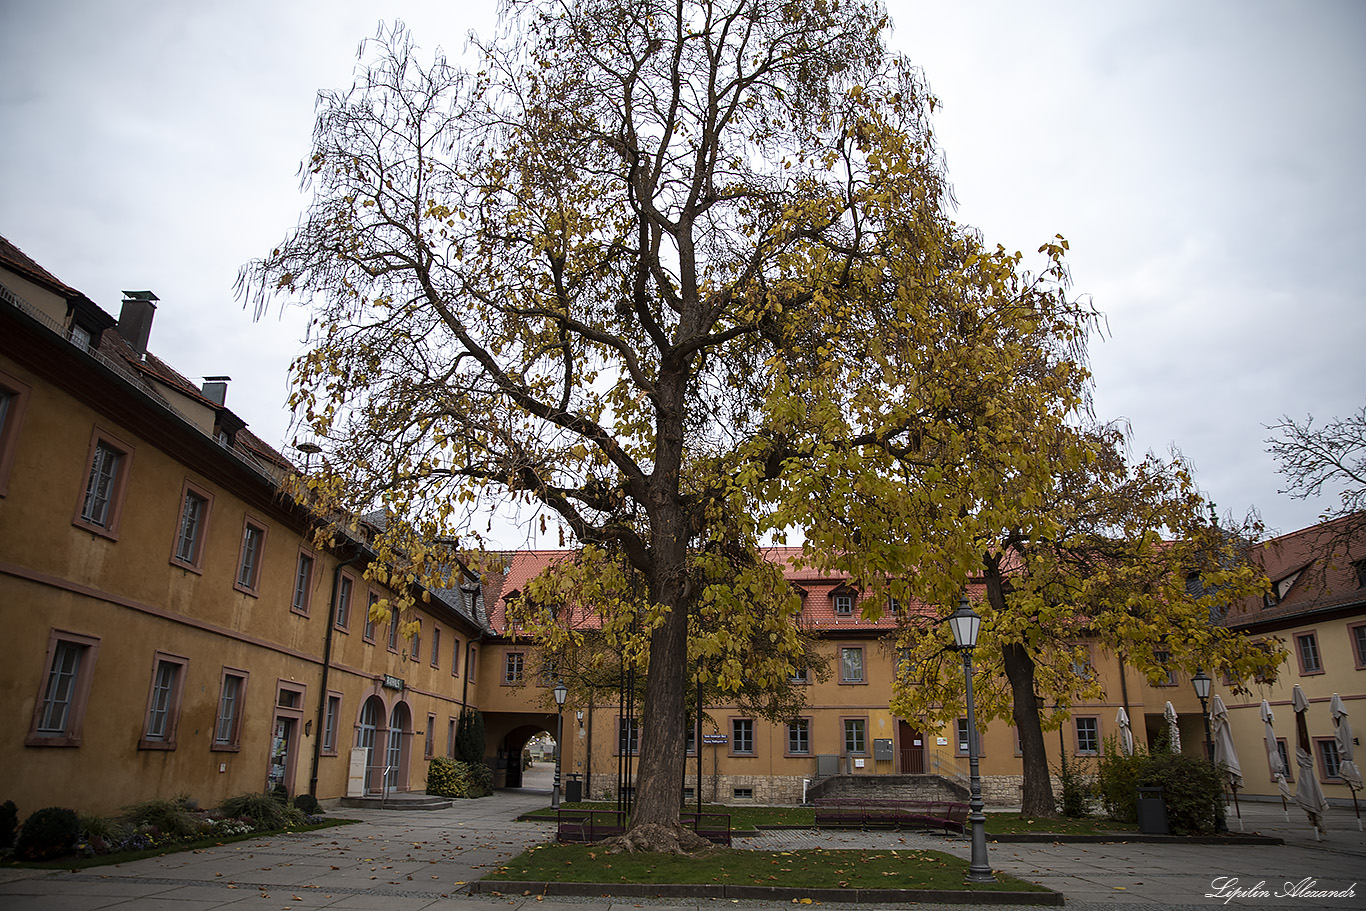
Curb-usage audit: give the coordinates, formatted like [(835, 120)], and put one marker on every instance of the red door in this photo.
[(912, 749)]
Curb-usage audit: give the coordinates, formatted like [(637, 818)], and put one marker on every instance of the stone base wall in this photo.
[(1008, 790)]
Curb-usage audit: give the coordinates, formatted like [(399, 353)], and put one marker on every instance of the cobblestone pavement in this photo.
[(421, 860)]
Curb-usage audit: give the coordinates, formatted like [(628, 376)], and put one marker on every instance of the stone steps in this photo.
[(914, 787), (400, 801)]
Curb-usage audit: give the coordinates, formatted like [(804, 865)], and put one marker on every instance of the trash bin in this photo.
[(573, 789), (1152, 811)]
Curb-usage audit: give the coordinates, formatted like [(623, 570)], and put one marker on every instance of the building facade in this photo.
[(172, 628), (847, 727), (1317, 607)]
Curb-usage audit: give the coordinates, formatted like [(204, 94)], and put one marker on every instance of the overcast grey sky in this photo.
[(1204, 160)]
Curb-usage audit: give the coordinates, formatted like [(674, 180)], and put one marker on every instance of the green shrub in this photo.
[(102, 833), (263, 811), (9, 821), (175, 817), (307, 804), (481, 778), (1078, 789), (48, 833), (449, 778), (1118, 781), (469, 737), (1193, 789), (443, 778)]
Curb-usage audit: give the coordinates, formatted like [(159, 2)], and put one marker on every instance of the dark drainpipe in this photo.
[(327, 667)]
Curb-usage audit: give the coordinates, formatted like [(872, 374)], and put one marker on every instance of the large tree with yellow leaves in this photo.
[(1103, 554), (682, 274)]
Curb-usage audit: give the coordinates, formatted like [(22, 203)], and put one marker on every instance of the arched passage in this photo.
[(512, 747)]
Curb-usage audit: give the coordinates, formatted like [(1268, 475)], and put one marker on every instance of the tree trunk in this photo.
[(655, 822), (1037, 791), (659, 780)]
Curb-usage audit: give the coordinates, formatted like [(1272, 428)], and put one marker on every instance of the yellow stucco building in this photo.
[(171, 628)]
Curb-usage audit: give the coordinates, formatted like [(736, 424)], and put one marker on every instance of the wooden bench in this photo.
[(890, 812), (595, 825)]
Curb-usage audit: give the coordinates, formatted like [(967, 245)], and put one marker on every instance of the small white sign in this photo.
[(942, 741), (858, 763), (918, 743)]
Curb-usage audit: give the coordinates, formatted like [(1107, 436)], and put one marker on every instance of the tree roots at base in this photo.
[(658, 839)]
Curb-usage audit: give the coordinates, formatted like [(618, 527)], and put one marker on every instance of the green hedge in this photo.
[(451, 778), (1193, 788)]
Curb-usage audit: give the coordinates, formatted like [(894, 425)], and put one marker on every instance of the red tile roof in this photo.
[(13, 258), (818, 590), (1325, 577)]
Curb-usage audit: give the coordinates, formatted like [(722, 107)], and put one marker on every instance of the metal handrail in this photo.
[(383, 777), (947, 766)]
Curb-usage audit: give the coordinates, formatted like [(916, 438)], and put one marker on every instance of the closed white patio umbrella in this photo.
[(1126, 732), (1273, 755), (1225, 753), (1308, 791), (1347, 767), (1173, 732)]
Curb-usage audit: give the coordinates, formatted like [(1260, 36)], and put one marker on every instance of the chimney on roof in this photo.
[(215, 389), (135, 319)]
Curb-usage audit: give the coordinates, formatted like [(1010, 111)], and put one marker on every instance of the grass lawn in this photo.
[(817, 869), (100, 860)]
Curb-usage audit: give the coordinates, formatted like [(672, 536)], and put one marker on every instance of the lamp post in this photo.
[(561, 691), (965, 625), (1201, 682)]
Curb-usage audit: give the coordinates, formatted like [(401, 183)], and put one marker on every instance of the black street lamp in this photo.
[(561, 692), (965, 625), (1202, 683)]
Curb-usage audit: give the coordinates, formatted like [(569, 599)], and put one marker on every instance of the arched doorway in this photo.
[(367, 730), (396, 756), (511, 750)]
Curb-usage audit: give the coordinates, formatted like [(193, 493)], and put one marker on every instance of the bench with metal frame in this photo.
[(890, 812)]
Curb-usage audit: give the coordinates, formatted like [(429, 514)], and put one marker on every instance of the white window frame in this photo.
[(63, 688), (250, 556), (161, 721), (301, 599), (99, 508), (227, 731), (846, 667)]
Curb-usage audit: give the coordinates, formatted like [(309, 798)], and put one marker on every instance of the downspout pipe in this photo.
[(327, 667)]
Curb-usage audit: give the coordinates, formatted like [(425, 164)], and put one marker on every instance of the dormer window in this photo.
[(844, 605), (80, 337)]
